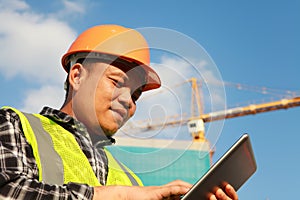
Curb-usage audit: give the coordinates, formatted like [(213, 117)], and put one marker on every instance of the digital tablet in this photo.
[(234, 167)]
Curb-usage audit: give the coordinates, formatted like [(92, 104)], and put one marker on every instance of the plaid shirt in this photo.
[(19, 177)]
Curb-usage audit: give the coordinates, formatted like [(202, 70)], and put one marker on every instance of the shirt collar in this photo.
[(71, 124)]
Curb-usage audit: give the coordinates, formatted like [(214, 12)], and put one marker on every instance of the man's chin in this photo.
[(112, 128), (110, 132)]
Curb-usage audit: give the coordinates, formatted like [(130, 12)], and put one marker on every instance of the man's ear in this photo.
[(76, 75)]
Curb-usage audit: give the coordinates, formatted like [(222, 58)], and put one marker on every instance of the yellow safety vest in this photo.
[(60, 159)]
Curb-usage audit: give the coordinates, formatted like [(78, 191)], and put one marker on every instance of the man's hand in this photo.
[(172, 190), (228, 193)]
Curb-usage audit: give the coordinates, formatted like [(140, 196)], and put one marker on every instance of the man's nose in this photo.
[(125, 98)]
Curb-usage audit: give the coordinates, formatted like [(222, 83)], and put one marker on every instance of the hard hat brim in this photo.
[(152, 80)]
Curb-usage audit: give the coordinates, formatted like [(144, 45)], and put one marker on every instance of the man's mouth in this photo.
[(120, 114)]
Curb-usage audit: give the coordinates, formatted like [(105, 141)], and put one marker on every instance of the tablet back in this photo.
[(234, 167)]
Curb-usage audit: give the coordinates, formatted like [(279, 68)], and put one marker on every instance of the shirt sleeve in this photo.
[(18, 169)]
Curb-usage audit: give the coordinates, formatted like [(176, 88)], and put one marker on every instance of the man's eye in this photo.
[(118, 83)]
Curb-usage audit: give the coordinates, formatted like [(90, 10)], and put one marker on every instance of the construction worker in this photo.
[(60, 154)]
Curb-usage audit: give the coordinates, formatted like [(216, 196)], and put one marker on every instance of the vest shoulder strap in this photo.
[(52, 170), (76, 167)]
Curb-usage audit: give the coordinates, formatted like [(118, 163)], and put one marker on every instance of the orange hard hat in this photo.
[(123, 43)]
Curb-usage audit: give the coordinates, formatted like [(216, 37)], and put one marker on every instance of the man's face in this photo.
[(105, 99)]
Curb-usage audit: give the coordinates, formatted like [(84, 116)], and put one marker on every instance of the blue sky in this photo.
[(255, 43)]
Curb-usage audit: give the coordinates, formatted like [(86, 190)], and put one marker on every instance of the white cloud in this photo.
[(73, 6), (32, 45), (47, 95), (71, 9), (176, 72), (173, 70), (13, 5)]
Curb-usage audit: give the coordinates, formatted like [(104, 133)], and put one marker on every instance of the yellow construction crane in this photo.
[(197, 119)]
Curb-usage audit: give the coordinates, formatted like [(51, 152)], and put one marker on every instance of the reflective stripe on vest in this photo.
[(51, 169), (60, 159)]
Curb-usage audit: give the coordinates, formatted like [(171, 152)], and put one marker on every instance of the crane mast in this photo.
[(196, 127)]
